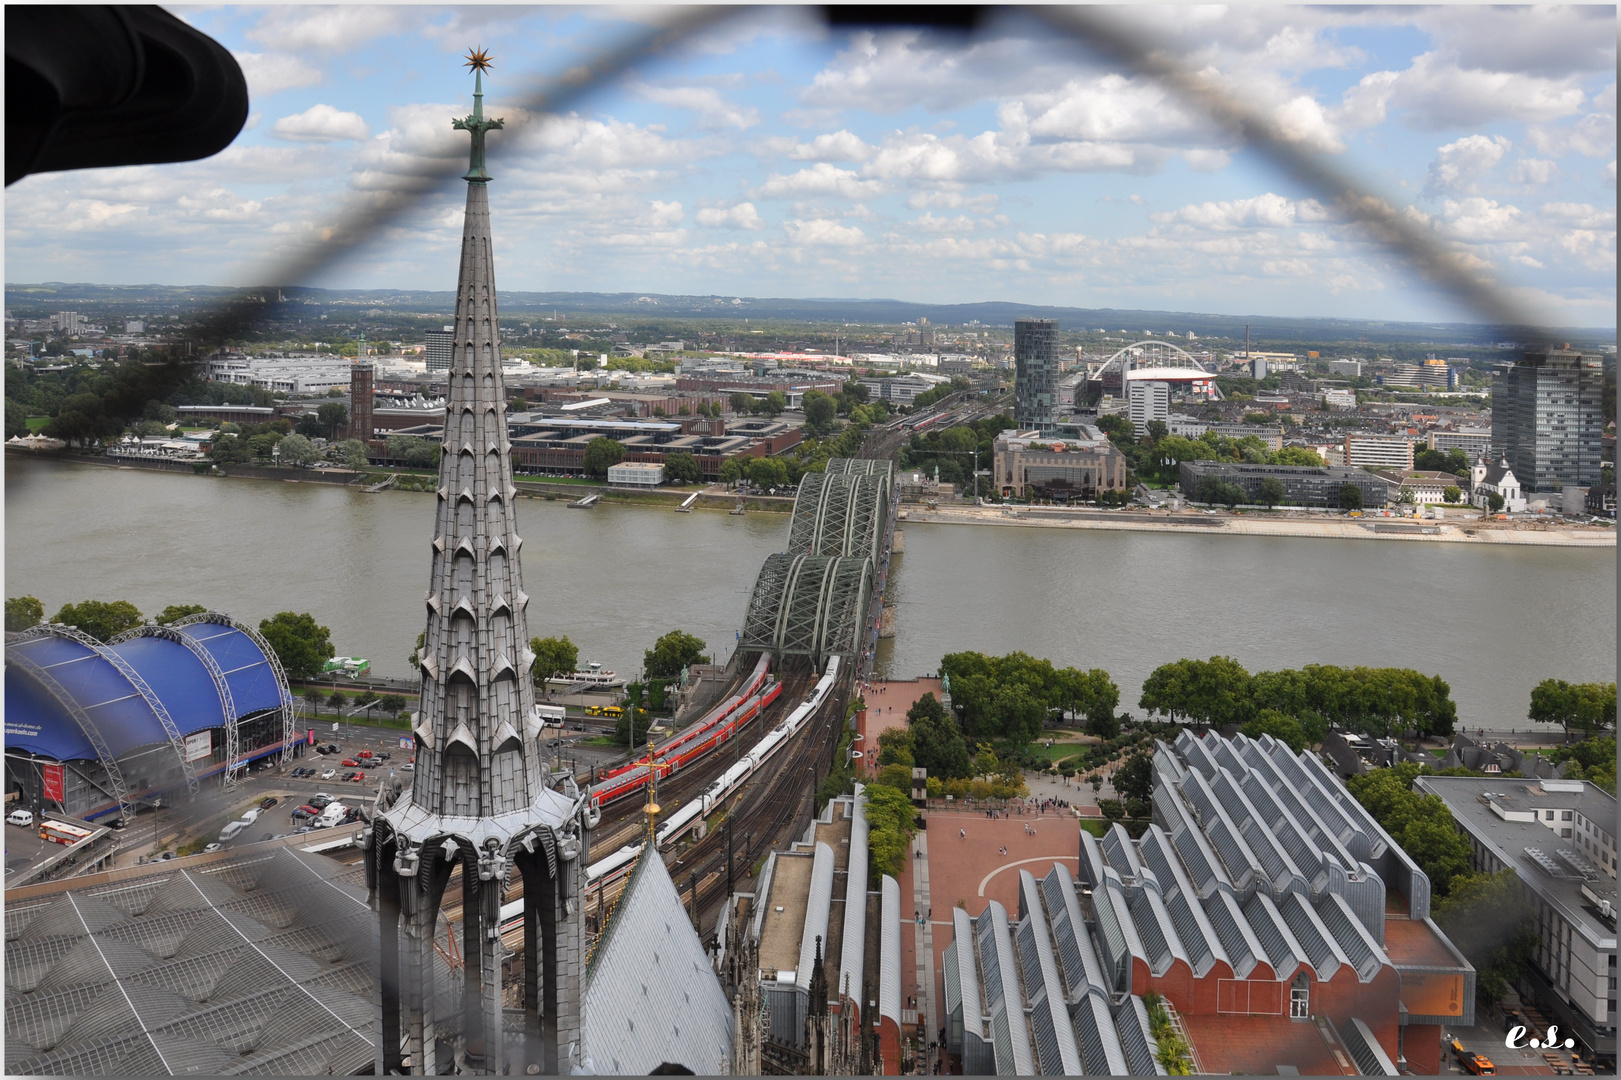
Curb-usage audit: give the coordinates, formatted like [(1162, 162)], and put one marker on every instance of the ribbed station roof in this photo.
[(122, 688), (258, 964)]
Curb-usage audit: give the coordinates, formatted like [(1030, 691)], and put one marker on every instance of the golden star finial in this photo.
[(479, 60)]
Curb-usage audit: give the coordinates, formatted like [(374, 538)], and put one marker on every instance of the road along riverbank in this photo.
[(1456, 532)]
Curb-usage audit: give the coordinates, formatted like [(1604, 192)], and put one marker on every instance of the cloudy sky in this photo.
[(771, 157)]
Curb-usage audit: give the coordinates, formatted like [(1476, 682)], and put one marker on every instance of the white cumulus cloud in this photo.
[(819, 179), (838, 145), (1459, 164), (822, 232), (1533, 171), (321, 123), (713, 109), (741, 216), (1266, 211), (271, 73)]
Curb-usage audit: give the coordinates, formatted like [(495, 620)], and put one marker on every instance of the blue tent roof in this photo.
[(36, 723)]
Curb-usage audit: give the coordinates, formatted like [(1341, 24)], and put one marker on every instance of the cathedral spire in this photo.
[(477, 699)]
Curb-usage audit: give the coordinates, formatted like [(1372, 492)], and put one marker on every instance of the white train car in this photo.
[(733, 778)]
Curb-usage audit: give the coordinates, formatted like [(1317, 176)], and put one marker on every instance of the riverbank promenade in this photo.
[(1530, 533)]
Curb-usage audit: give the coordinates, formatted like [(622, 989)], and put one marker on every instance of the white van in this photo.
[(24, 818), (231, 831), (332, 815)]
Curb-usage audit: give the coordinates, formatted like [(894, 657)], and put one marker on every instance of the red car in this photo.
[(308, 811), (364, 754), (350, 763), (358, 777)]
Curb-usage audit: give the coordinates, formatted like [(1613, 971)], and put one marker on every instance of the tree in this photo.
[(1135, 778), (1494, 502), (891, 821), (337, 701), (766, 472), (334, 415), (1213, 490), (1452, 493), (820, 412), (1488, 919), (1271, 491), (230, 450), (895, 747), (309, 425), (1286, 729), (600, 454), (391, 704), (1350, 497), (1589, 706), (353, 455), (313, 698), (937, 742), (296, 451), (774, 403), (102, 620), (741, 403), (554, 657), (682, 468), (634, 722), (672, 652), (23, 612), (1215, 691), (731, 470), (416, 651), (414, 451), (1112, 809), (175, 612), (1295, 455), (302, 645), (263, 445)]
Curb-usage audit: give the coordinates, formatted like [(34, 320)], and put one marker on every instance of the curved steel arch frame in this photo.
[(808, 605), (45, 681), (177, 741), (1123, 355), (270, 657), (227, 702)]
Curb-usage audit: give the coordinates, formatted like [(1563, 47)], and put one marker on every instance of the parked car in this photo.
[(329, 774), (358, 777), (167, 856), (364, 754), (320, 799), (349, 763), (307, 810), (209, 849), (267, 802), (408, 767), (24, 818), (383, 755)]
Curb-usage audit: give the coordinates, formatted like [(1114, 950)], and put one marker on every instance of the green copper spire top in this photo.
[(476, 124)]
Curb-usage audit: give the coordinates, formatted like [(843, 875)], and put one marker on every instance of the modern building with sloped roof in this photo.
[(259, 961), (1263, 905), (101, 728)]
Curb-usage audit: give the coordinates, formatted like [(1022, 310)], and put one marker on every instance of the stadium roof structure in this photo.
[(256, 963), (71, 697)]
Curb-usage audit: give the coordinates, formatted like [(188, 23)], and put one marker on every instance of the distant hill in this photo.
[(136, 300)]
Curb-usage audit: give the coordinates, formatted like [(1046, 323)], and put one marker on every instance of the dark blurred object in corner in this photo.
[(94, 86)]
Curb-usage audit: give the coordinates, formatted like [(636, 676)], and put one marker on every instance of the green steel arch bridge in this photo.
[(820, 598)]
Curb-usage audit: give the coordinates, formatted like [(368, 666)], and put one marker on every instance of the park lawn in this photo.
[(36, 424), (603, 742)]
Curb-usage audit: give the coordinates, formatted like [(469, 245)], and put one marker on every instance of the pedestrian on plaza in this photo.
[(963, 833)]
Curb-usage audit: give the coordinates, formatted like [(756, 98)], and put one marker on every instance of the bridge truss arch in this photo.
[(840, 514), (1151, 353), (808, 605)]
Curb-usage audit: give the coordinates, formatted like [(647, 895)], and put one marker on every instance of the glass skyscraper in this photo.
[(1035, 374), (1548, 418)]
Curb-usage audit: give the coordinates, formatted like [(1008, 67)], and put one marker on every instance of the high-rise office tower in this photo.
[(1035, 374), (1548, 418), (439, 344)]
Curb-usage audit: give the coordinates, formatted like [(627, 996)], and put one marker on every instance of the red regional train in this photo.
[(717, 726)]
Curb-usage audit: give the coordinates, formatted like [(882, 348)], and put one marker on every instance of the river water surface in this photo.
[(1492, 621)]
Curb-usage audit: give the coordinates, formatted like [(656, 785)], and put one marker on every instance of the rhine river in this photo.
[(1491, 620)]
